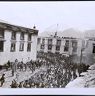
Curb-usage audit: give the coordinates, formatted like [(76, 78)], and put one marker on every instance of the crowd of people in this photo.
[(60, 70)]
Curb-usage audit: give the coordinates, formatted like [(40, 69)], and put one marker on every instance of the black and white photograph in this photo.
[(47, 45)]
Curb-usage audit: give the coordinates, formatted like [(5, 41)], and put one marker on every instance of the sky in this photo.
[(67, 14)]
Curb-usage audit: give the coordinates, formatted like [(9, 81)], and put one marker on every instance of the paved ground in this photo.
[(24, 75)]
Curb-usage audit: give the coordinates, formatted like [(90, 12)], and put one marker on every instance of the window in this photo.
[(21, 48), (49, 41), (13, 37), (29, 37), (66, 47), (93, 48), (57, 48), (13, 45), (22, 36), (29, 47), (57, 53), (42, 46), (67, 43), (74, 45), (1, 46), (43, 41), (1, 33), (49, 47), (58, 42), (38, 40), (49, 52)]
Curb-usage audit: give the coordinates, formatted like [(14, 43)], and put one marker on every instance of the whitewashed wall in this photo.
[(7, 55)]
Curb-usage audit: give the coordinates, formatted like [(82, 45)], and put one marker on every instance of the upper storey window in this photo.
[(22, 36), (93, 48), (1, 33), (29, 37), (13, 47), (49, 41), (58, 42), (13, 37), (43, 41), (38, 40), (66, 47), (1, 46), (74, 45)]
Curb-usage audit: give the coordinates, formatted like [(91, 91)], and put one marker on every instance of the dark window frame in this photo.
[(21, 47), (93, 51), (42, 46), (22, 36), (50, 41), (74, 46), (43, 41), (28, 47), (14, 47), (58, 42), (2, 33), (1, 46), (13, 35), (66, 47), (49, 47), (29, 37), (38, 40), (57, 48)]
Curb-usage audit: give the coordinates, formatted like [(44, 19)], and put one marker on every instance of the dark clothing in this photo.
[(14, 84), (2, 79)]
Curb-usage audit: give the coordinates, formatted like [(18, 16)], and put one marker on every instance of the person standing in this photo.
[(8, 64), (14, 84), (2, 79), (16, 63), (13, 69), (20, 85)]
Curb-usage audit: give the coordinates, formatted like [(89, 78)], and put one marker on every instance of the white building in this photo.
[(63, 45), (89, 51), (82, 49), (17, 42)]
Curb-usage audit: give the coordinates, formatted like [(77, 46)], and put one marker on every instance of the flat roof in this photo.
[(17, 28)]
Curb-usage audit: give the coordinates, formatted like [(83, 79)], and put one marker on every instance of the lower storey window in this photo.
[(57, 48), (42, 46), (57, 53), (93, 48), (74, 49), (66, 48), (49, 47), (13, 45), (29, 47), (1, 46), (21, 47)]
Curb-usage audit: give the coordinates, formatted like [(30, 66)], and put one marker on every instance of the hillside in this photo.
[(65, 33)]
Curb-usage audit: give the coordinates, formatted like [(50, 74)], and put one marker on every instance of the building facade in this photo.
[(17, 42), (89, 51), (64, 45)]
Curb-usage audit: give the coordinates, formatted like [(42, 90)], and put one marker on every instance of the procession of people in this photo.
[(59, 71)]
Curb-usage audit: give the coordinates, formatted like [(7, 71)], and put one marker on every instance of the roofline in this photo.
[(70, 38), (17, 28)]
